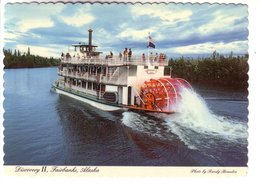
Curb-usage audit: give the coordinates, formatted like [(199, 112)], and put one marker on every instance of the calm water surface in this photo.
[(43, 128)]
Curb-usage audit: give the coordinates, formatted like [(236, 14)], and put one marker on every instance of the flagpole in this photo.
[(148, 59)]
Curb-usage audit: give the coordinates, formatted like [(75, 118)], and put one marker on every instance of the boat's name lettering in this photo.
[(27, 169)]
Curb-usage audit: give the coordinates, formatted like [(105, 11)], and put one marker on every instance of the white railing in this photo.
[(115, 78), (115, 61), (94, 93)]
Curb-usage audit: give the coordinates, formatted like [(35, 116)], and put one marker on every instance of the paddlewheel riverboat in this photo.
[(118, 82)]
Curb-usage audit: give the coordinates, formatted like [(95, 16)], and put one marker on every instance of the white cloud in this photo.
[(41, 51), (223, 21), (162, 12), (102, 36), (169, 16), (163, 21), (9, 36), (206, 48), (28, 24), (135, 34), (80, 18), (29, 16)]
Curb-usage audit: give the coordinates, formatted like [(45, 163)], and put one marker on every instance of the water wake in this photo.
[(193, 113), (194, 124), (146, 124)]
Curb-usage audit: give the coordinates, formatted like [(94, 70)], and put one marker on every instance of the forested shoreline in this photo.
[(230, 71), (16, 59)]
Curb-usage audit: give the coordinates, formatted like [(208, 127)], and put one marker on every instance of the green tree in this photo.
[(28, 52), (27, 60), (215, 70)]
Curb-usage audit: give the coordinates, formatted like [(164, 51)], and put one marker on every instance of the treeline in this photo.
[(17, 59), (218, 70)]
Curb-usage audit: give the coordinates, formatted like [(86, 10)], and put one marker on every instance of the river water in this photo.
[(44, 128)]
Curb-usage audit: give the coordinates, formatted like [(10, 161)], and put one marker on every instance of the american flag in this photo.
[(150, 42)]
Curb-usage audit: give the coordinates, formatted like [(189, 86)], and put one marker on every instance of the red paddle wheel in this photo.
[(161, 94)]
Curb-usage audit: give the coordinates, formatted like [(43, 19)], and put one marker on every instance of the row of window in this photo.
[(85, 84)]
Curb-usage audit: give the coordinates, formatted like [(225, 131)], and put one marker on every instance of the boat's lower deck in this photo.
[(88, 98), (100, 103)]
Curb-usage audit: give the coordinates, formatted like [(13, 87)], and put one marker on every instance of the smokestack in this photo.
[(90, 39)]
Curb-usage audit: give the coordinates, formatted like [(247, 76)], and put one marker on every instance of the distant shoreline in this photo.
[(216, 70), (17, 59), (6, 68)]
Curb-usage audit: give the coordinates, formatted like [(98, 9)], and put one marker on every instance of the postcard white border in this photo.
[(254, 33)]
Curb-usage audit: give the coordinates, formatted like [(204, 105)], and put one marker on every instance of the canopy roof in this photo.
[(83, 45)]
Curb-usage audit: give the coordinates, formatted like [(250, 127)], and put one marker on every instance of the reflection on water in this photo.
[(106, 141), (42, 127), (89, 136)]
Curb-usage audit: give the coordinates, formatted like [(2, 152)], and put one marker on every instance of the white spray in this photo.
[(194, 116), (193, 122)]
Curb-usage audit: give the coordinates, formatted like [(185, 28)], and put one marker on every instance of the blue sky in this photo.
[(188, 30)]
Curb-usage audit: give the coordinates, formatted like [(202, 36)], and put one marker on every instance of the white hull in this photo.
[(98, 105)]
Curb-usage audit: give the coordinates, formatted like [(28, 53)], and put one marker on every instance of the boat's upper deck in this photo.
[(115, 61), (86, 54)]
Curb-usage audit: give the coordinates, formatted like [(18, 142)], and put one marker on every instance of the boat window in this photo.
[(103, 87), (83, 84), (104, 71), (99, 70), (74, 82), (90, 85), (167, 71), (94, 86)]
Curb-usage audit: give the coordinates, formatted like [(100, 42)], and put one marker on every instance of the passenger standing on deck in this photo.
[(125, 54), (160, 57), (156, 57), (129, 54), (151, 57), (143, 57), (68, 56), (120, 56)]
